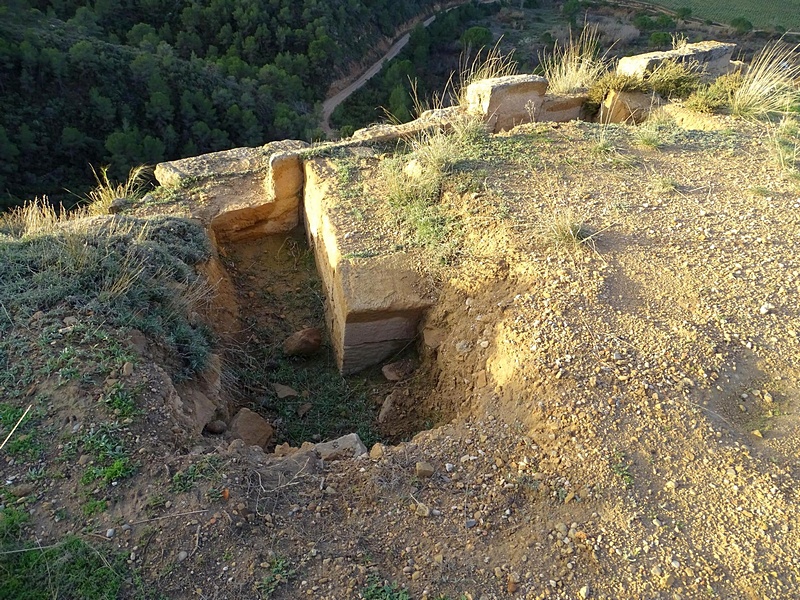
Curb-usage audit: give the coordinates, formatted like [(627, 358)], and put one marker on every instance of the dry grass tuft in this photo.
[(575, 66), (567, 230), (489, 66), (769, 86), (101, 197)]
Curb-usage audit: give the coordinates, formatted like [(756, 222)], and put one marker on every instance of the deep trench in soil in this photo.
[(279, 292)]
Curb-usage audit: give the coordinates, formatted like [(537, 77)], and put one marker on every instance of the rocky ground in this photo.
[(616, 418)]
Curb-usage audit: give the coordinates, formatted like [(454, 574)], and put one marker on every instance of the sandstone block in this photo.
[(561, 109), (504, 102), (244, 192), (713, 56), (252, 428), (628, 107), (285, 177), (347, 446), (373, 305)]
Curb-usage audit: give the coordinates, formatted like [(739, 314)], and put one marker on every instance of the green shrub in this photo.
[(608, 82), (660, 39), (716, 96), (741, 25), (674, 79)]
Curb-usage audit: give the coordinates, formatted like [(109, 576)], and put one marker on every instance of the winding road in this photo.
[(331, 103)]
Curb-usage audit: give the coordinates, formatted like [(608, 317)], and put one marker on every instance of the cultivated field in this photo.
[(764, 14)]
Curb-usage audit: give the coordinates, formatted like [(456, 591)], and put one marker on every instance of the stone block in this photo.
[(285, 177), (430, 119), (504, 102), (713, 56), (243, 192), (347, 446), (628, 107), (373, 305), (252, 428), (561, 109)]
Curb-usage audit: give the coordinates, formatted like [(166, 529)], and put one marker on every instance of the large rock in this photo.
[(440, 118), (628, 107), (714, 57), (347, 446), (243, 192), (504, 102), (252, 428), (561, 109)]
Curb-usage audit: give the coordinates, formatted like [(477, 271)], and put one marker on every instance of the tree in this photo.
[(400, 104), (741, 25), (476, 38), (660, 39), (684, 13)]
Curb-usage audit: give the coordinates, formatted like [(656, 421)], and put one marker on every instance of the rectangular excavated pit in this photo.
[(373, 304)]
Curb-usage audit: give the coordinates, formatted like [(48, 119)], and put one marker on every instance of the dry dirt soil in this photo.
[(613, 419)]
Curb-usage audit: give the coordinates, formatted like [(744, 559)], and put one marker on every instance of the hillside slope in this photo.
[(614, 418)]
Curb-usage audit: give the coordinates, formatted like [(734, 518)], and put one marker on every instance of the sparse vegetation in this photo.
[(106, 191), (576, 65), (70, 569), (414, 181), (142, 266), (769, 87), (280, 572), (377, 590), (566, 230)]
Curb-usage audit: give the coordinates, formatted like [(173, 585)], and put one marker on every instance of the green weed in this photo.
[(376, 590), (70, 569), (121, 400), (206, 469), (119, 469), (279, 572), (622, 469), (93, 507)]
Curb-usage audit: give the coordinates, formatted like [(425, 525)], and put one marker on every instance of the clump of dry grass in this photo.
[(105, 192), (489, 66), (565, 229), (785, 144), (576, 65), (769, 86)]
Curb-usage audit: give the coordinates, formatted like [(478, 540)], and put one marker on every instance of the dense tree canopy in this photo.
[(123, 82)]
